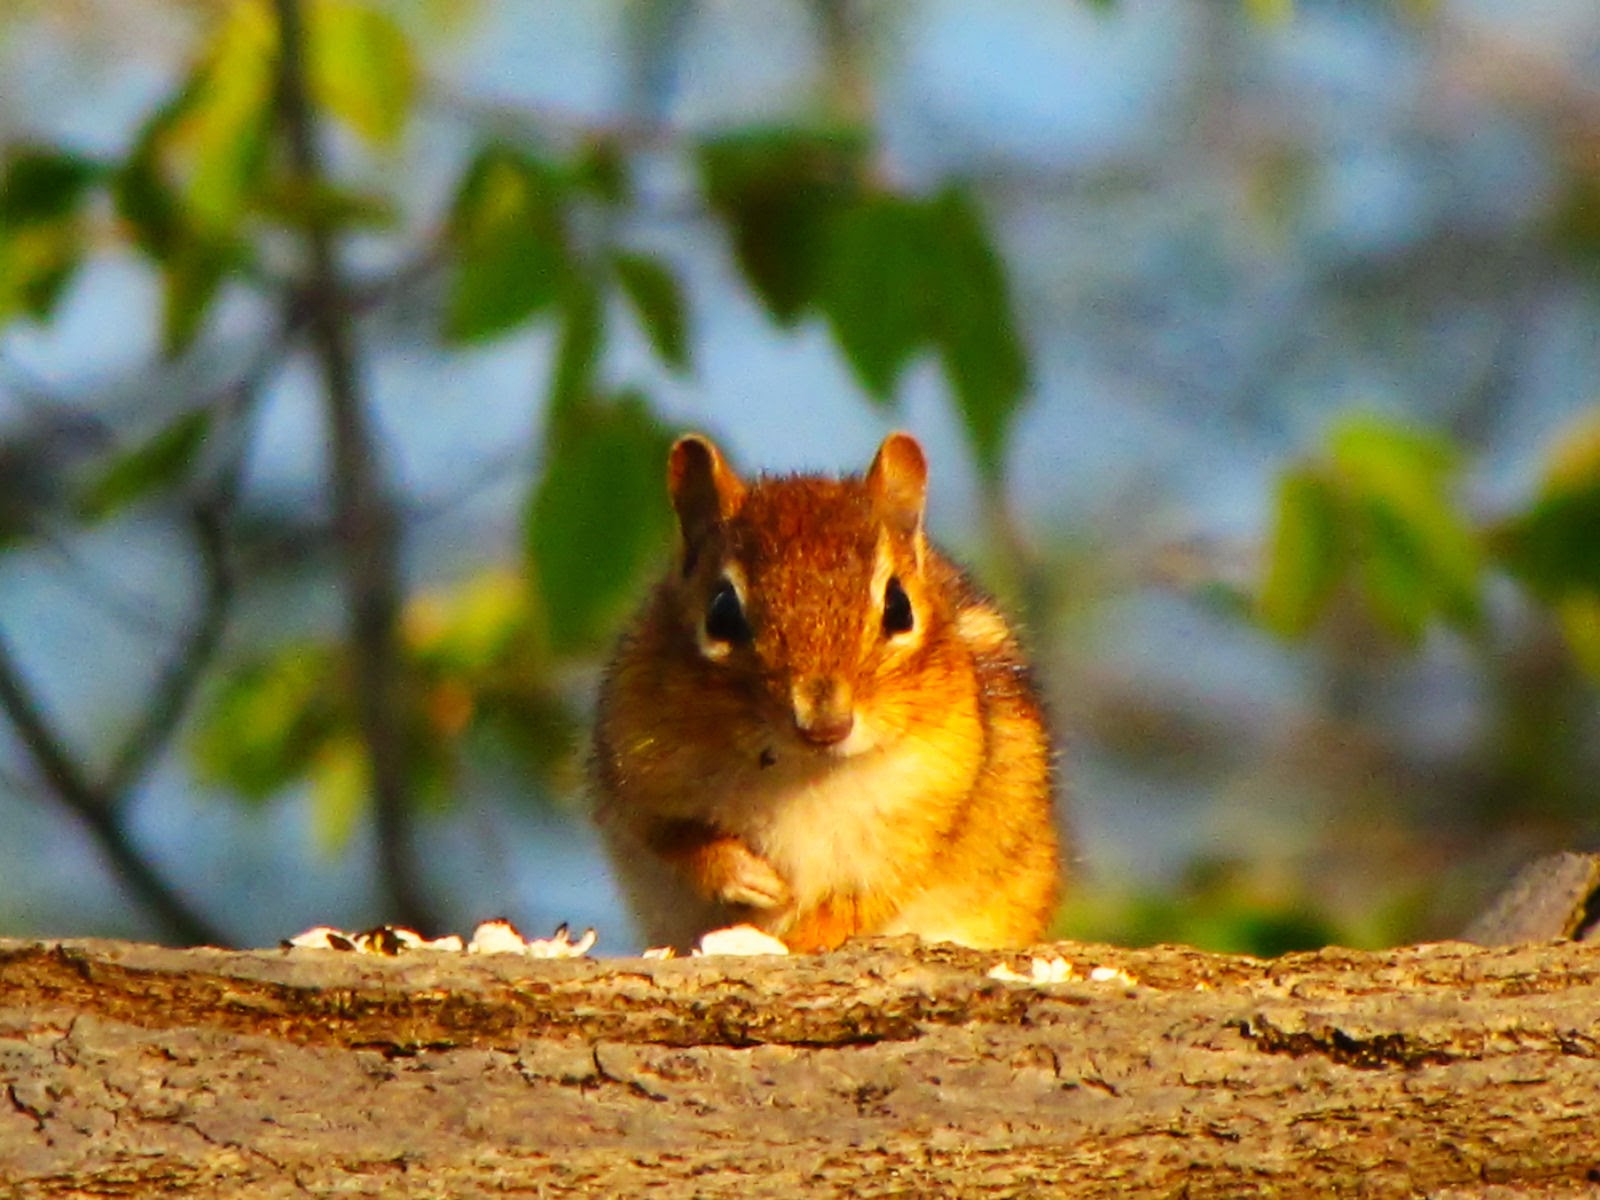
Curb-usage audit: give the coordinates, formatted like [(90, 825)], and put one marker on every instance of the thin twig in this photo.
[(365, 514), (96, 808), (181, 677)]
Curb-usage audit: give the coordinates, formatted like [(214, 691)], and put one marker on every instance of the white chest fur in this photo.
[(844, 828)]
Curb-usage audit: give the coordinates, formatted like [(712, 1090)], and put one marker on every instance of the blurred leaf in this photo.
[(602, 170), (874, 288), (267, 722), (1554, 547), (42, 185), (1392, 565), (146, 200), (212, 141), (1574, 225), (653, 290), (361, 67), (1580, 624), (1306, 556), (578, 350), (471, 627), (1269, 12), (973, 328), (41, 237), (597, 518), (196, 168), (190, 279), (151, 466), (1416, 555), (341, 782), (779, 190), (325, 206), (541, 731), (36, 264), (507, 228), (1219, 906)]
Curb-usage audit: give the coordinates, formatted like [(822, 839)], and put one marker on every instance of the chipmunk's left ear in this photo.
[(898, 482), (704, 489)]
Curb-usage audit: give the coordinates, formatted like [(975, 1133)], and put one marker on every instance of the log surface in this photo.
[(884, 1069)]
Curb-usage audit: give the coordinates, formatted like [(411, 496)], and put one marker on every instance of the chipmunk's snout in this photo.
[(824, 712)]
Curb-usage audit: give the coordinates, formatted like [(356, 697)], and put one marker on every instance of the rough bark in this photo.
[(882, 1069)]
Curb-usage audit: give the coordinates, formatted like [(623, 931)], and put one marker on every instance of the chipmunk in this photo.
[(818, 726)]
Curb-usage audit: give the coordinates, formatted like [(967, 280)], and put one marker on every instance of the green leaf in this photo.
[(974, 328), (572, 382), (190, 280), (325, 206), (362, 69), (874, 288), (1306, 556), (1392, 565), (1269, 12), (653, 290), (1417, 556), (508, 231), (267, 722), (1554, 548), (780, 190), (196, 169), (41, 185), (1580, 624), (597, 519), (213, 139), (601, 169), (36, 264), (41, 235), (151, 466), (147, 201), (341, 783)]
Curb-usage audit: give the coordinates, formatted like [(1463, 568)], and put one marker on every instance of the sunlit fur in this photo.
[(933, 816)]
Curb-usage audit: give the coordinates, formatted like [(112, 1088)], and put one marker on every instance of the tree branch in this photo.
[(880, 1069), (97, 807), (182, 675), (365, 515)]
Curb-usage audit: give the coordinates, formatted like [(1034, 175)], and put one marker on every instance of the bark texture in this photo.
[(881, 1069)]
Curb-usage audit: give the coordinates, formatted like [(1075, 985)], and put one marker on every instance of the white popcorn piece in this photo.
[(450, 942), (498, 936), (660, 953), (320, 937), (561, 945), (491, 937), (1043, 971), (501, 937), (738, 939)]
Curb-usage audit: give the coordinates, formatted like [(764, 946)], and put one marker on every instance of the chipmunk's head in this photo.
[(806, 594)]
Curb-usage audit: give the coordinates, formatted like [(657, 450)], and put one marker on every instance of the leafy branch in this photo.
[(366, 519)]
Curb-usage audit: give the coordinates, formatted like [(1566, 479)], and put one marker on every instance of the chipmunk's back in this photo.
[(817, 725)]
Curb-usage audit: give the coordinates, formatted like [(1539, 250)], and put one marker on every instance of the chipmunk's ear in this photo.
[(898, 482), (703, 487)]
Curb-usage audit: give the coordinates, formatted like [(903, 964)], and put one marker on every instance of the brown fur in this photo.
[(933, 816)]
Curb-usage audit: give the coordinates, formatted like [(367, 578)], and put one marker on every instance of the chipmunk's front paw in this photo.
[(749, 880)]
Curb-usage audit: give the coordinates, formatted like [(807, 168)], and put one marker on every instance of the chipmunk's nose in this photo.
[(823, 712)]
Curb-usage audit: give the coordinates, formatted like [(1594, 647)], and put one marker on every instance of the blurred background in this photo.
[(1253, 344)]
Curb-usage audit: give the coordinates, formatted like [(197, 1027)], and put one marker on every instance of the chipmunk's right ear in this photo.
[(703, 487)]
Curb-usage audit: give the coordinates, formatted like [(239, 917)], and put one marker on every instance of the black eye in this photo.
[(897, 616), (725, 621)]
